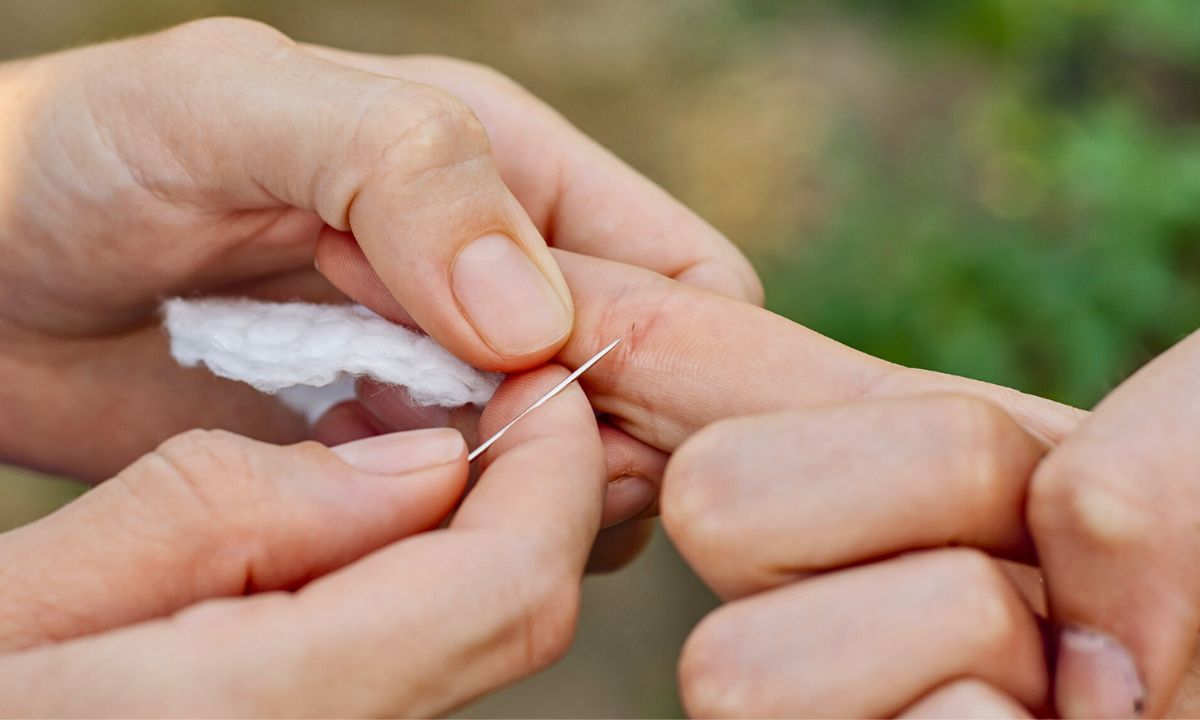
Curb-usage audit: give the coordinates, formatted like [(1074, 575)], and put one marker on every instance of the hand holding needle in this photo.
[(544, 399)]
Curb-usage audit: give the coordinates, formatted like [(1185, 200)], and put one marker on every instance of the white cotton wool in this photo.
[(274, 346)]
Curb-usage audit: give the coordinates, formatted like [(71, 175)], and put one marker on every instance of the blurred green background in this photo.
[(995, 188)]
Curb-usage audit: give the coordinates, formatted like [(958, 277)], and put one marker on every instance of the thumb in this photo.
[(1114, 512), (406, 168), (212, 514)]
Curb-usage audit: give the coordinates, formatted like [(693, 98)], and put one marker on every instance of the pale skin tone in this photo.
[(221, 157), (216, 158), (797, 457), (114, 605)]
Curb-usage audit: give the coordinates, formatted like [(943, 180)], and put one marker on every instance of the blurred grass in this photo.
[(970, 186)]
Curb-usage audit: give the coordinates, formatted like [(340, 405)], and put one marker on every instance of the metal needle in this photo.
[(544, 399)]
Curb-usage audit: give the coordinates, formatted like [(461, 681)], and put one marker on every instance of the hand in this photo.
[(129, 601), (758, 504), (692, 358), (858, 545), (689, 358), (217, 157)]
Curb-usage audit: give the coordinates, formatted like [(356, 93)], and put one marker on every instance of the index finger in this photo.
[(691, 357)]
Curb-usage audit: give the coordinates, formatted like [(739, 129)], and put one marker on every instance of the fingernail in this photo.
[(508, 300), (403, 452), (626, 497), (1095, 677)]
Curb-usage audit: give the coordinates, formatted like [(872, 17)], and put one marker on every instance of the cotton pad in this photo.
[(274, 346)]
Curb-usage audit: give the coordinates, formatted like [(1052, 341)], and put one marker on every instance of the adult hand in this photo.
[(688, 358), (129, 601), (216, 156), (1114, 512), (692, 358), (757, 504), (900, 508)]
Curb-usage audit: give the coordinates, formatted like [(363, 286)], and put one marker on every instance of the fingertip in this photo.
[(341, 260), (545, 477), (519, 391)]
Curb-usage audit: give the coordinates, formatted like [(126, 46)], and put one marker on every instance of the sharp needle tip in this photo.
[(543, 399)]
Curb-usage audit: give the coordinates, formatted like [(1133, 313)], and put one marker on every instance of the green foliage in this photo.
[(1041, 233)]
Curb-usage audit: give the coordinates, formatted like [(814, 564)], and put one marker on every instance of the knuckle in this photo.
[(224, 32), (712, 683), (692, 497), (1084, 492), (552, 624), (983, 438), (686, 491), (195, 493), (990, 609), (544, 619), (210, 468), (418, 131), (487, 74), (727, 273), (755, 292)]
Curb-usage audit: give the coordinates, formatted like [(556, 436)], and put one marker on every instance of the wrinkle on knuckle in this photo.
[(203, 482), (407, 138), (413, 133)]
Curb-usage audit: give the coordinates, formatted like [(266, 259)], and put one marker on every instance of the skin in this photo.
[(957, 486), (189, 555), (216, 156), (802, 468), (198, 161)]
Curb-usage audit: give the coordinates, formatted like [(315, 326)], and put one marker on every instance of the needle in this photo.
[(544, 399)]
